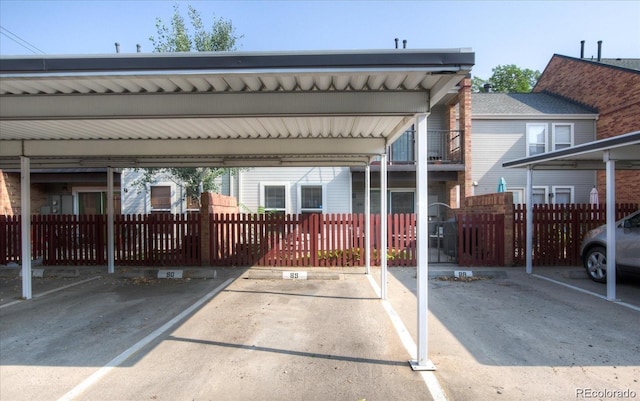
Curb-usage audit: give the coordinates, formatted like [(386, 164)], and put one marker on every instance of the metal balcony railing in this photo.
[(443, 146)]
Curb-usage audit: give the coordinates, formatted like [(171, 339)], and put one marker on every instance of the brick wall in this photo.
[(614, 93), (211, 203), (497, 203), (464, 96), (9, 194)]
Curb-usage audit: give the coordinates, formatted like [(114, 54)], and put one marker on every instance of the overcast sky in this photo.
[(525, 33)]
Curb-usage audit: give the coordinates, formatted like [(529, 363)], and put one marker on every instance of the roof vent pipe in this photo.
[(404, 43), (397, 42), (117, 47), (487, 87), (138, 48), (582, 49), (599, 50)]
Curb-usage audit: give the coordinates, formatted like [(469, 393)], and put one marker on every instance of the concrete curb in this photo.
[(280, 275), (475, 273)]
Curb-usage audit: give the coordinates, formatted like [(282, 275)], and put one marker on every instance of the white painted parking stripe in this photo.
[(429, 377), (117, 361), (587, 292), (52, 291)]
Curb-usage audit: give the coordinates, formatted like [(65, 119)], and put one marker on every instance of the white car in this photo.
[(594, 249)]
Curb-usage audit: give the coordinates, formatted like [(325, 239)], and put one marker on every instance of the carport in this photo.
[(225, 110), (620, 152)]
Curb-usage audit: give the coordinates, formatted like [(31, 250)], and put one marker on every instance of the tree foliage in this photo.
[(180, 37), (508, 79), (183, 38), (193, 180)]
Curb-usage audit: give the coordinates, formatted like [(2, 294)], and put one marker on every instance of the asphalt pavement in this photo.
[(250, 334)]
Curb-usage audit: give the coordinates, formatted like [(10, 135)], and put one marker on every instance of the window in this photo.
[(273, 197), (539, 195), (562, 136), (518, 195), (311, 199), (562, 195), (536, 139), (161, 198), (401, 202)]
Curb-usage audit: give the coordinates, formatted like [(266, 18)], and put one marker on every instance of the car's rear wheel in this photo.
[(596, 264)]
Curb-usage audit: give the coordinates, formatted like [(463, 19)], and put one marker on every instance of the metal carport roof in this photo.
[(217, 109), (225, 109), (620, 152)]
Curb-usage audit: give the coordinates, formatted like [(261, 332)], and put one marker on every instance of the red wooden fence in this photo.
[(558, 231), (154, 239), (481, 240), (242, 240), (308, 240), (161, 239)]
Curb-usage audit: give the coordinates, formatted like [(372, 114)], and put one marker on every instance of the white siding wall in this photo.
[(497, 141), (136, 201), (337, 181)]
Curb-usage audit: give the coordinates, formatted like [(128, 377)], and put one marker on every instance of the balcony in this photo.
[(443, 147)]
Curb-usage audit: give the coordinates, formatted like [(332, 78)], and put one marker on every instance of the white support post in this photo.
[(383, 225), (25, 225), (367, 219), (611, 226), (110, 227), (422, 188), (528, 247)]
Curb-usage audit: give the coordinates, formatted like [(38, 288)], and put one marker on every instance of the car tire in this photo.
[(595, 262)]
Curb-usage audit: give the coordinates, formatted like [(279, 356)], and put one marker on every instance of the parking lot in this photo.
[(245, 335), (254, 339)]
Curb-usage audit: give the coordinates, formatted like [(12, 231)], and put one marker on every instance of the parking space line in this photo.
[(51, 291), (636, 308), (117, 361), (429, 377)]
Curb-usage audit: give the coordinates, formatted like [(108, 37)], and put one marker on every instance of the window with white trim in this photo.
[(536, 139), (160, 198), (273, 197), (311, 198), (562, 136), (518, 195), (562, 195), (539, 195)]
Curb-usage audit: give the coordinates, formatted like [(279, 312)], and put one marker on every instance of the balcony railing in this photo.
[(443, 146)]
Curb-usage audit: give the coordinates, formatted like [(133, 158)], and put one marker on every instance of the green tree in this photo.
[(183, 38), (507, 79), (193, 180), (221, 37)]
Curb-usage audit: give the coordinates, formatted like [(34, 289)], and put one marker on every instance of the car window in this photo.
[(633, 222)]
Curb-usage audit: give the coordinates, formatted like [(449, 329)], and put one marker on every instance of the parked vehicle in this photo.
[(594, 249)]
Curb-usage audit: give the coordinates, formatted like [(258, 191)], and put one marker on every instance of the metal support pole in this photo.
[(528, 248), (611, 226), (367, 218), (25, 225), (422, 188), (110, 227), (383, 225)]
